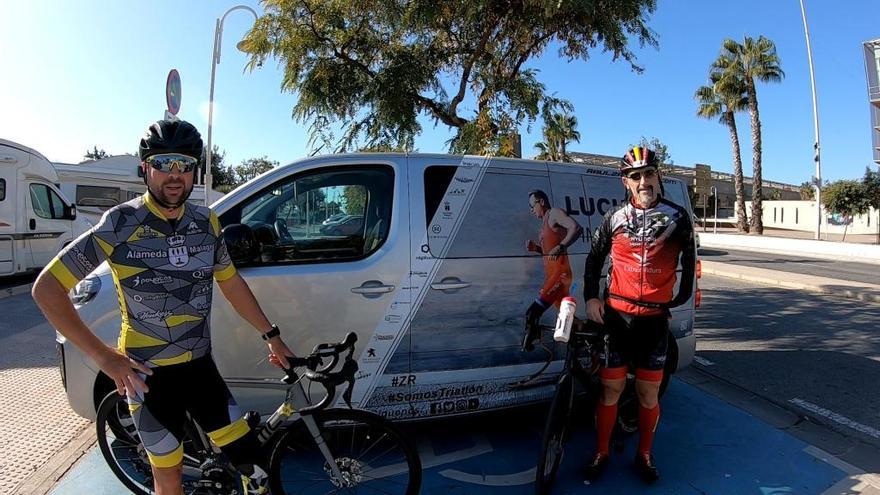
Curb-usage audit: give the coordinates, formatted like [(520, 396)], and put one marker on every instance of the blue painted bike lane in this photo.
[(703, 446)]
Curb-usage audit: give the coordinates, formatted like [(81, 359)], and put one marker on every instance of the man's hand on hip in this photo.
[(123, 371)]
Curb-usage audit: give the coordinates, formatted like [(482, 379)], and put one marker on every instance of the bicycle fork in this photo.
[(296, 395)]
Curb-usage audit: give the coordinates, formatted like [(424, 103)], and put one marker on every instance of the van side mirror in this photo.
[(70, 212), (140, 172), (241, 243)]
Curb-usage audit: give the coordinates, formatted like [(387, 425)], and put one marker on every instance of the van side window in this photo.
[(2, 189), (329, 215), (46, 202)]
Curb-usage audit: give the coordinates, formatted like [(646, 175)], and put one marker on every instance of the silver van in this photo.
[(435, 280)]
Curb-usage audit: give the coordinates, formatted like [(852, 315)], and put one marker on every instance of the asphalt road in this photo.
[(841, 270), (796, 349)]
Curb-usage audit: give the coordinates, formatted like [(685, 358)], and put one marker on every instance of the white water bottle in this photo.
[(564, 320)]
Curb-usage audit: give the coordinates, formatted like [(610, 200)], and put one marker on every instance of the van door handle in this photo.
[(450, 283), (372, 288)]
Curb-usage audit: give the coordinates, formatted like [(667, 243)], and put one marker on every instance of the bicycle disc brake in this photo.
[(351, 470)]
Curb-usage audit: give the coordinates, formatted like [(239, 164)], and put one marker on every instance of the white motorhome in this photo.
[(36, 220), (99, 185)]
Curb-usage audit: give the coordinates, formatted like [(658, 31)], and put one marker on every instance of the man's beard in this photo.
[(159, 196)]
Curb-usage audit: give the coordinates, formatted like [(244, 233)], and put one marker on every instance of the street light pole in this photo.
[(818, 183), (215, 61)]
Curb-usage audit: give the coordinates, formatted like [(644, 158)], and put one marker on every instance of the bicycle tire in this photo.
[(556, 431), (116, 434), (392, 463)]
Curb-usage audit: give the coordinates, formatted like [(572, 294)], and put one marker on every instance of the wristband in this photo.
[(271, 333)]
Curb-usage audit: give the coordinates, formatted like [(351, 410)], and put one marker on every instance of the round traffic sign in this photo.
[(172, 91)]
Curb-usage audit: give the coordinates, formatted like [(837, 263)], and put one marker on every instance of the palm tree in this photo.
[(559, 130), (741, 65), (713, 102)]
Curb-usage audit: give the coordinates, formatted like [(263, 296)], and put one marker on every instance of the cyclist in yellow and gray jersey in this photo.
[(164, 254)]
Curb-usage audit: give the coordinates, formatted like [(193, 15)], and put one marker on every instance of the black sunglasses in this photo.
[(637, 175)]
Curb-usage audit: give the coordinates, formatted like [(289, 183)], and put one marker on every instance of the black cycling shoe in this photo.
[(597, 466), (646, 468)]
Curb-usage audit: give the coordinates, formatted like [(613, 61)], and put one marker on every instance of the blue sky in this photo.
[(85, 73)]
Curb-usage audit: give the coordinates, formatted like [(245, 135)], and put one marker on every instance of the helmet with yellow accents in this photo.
[(638, 157)]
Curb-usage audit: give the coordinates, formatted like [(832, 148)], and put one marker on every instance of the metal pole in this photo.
[(815, 126), (215, 61), (715, 215), (209, 155)]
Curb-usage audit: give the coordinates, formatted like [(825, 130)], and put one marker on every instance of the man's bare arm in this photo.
[(573, 230), (52, 300)]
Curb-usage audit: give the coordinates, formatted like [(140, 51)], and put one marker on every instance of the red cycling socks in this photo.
[(606, 416), (648, 419)]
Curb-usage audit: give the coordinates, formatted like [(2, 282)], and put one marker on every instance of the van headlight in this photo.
[(85, 290)]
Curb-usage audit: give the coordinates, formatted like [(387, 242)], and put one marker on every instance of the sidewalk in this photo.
[(791, 234), (794, 243), (798, 281)]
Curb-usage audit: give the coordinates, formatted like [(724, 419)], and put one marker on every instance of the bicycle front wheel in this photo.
[(555, 435), (371, 454)]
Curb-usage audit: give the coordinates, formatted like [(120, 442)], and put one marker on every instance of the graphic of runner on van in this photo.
[(558, 232)]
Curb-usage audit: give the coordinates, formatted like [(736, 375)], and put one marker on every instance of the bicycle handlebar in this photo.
[(316, 371)]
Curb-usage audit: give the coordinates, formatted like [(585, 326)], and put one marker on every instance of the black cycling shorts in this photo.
[(195, 387), (638, 340)]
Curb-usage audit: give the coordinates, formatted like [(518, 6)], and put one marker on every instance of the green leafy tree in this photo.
[(846, 197), (252, 167), (355, 199), (220, 174), (370, 69), (95, 154), (722, 102), (740, 65), (807, 191)]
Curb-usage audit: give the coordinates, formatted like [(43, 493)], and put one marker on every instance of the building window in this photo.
[(782, 215), (774, 215), (796, 211)]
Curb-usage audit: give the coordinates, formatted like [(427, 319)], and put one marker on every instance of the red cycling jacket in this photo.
[(645, 245)]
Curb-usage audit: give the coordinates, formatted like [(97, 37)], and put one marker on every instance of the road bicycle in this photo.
[(311, 448), (581, 363)]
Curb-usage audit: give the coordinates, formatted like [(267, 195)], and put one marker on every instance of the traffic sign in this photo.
[(172, 92), (702, 178)]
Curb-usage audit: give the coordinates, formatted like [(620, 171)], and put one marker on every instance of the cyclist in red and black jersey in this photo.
[(645, 237)]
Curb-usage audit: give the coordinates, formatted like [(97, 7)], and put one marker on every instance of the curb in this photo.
[(848, 293), (44, 479), (14, 291)]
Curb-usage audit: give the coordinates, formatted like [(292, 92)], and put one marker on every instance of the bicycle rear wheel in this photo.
[(124, 453), (556, 432), (371, 453)]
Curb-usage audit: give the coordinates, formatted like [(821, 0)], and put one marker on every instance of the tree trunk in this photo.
[(742, 221), (757, 182)]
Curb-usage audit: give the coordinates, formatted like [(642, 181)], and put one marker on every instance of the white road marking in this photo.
[(703, 361), (837, 418)]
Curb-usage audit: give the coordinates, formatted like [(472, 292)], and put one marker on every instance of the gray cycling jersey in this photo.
[(163, 271)]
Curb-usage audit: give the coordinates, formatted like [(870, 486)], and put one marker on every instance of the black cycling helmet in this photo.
[(638, 157), (166, 136)]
